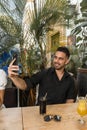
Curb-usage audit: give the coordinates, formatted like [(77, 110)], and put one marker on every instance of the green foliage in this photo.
[(44, 14), (80, 30), (78, 39), (82, 21), (11, 24), (83, 6), (49, 13), (74, 60)]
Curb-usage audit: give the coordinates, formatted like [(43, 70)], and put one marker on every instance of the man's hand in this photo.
[(13, 75), (13, 69)]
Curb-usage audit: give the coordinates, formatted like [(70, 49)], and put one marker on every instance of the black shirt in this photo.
[(58, 91)]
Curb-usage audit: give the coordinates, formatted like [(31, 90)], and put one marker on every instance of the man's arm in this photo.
[(72, 93), (13, 75)]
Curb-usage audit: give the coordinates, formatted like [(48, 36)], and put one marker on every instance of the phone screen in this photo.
[(15, 56)]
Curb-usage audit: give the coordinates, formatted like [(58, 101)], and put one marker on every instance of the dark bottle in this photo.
[(42, 102)]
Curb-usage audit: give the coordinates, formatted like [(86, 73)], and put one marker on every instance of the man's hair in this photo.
[(65, 50)]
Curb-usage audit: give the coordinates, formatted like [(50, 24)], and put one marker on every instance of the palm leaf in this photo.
[(11, 22), (39, 16)]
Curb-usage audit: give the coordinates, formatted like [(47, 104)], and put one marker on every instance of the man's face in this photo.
[(60, 60)]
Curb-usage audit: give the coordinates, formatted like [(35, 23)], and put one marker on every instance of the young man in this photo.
[(55, 81), (3, 82)]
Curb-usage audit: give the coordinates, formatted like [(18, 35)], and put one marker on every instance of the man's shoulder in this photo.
[(45, 71), (49, 70), (69, 75)]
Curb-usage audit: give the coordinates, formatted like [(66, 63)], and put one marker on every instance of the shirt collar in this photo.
[(65, 72)]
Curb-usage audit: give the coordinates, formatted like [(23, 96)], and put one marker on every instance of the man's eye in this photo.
[(61, 58), (55, 57)]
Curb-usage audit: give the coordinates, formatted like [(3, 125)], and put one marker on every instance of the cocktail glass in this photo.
[(82, 109)]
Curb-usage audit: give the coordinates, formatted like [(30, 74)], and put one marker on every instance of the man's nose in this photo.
[(57, 59)]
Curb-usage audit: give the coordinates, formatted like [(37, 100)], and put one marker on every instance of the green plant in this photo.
[(74, 60), (39, 21), (11, 24), (11, 33), (80, 30)]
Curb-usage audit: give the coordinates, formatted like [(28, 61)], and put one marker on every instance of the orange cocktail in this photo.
[(82, 108)]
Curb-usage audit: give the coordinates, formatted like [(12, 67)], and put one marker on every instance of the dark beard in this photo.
[(59, 68)]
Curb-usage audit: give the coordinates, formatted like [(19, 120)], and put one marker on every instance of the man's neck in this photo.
[(60, 73)]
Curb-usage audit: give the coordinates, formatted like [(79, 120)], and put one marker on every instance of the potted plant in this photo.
[(80, 31)]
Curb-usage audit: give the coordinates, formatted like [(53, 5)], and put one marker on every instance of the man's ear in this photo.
[(67, 61)]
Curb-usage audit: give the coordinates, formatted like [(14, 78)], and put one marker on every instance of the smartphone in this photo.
[(15, 56)]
